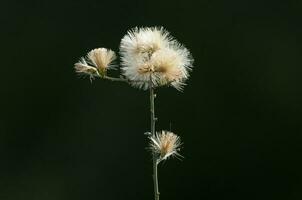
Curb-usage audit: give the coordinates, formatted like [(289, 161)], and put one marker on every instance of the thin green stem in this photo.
[(153, 120)]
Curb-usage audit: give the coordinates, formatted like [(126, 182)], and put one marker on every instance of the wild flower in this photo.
[(96, 63), (152, 53), (150, 58), (165, 144), (83, 68)]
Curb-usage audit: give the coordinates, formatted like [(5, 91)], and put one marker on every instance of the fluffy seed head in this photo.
[(165, 144), (96, 63), (101, 58), (152, 54), (83, 68)]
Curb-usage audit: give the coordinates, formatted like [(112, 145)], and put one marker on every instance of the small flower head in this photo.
[(152, 54), (96, 63), (101, 58), (83, 68), (165, 144)]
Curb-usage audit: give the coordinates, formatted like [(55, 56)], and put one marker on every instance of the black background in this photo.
[(239, 117)]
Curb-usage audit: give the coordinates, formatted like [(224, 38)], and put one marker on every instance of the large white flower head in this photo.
[(165, 144), (152, 54), (96, 63)]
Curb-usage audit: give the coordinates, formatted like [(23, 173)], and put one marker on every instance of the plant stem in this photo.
[(153, 120), (115, 79)]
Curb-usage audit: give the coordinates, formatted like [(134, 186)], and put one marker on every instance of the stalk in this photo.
[(115, 79), (154, 156)]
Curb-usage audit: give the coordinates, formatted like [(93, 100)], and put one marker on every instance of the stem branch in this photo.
[(115, 79)]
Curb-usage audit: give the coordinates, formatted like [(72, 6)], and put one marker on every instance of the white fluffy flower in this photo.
[(101, 58), (165, 144), (96, 63), (152, 54), (83, 68)]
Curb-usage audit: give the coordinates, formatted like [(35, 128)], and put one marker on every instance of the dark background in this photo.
[(239, 117)]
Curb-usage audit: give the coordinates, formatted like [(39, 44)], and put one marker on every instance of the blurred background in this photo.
[(239, 117)]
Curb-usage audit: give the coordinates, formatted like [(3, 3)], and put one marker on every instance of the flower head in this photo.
[(165, 144), (101, 58), (96, 63), (151, 54), (82, 67)]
